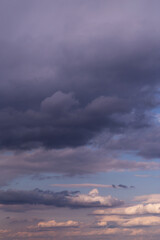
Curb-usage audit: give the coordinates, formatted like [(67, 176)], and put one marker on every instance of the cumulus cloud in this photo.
[(143, 209), (59, 122), (139, 209), (93, 199), (139, 215)]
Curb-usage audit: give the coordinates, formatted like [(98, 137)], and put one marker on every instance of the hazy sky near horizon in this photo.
[(79, 119)]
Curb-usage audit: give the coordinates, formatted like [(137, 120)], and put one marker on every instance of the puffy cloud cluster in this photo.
[(140, 215), (140, 209), (143, 209), (94, 200)]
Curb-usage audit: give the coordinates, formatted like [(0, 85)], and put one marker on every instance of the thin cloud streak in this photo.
[(90, 185), (67, 161)]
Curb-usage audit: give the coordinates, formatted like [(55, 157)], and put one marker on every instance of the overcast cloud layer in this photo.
[(63, 84), (76, 74)]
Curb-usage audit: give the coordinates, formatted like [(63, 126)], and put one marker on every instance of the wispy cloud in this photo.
[(53, 223), (150, 198), (143, 175), (76, 185), (67, 161)]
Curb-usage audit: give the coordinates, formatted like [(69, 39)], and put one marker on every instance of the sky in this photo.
[(79, 120)]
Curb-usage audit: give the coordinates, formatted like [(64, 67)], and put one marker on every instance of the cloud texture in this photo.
[(57, 199), (79, 95)]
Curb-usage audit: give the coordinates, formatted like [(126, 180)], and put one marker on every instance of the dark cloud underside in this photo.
[(74, 74), (58, 94)]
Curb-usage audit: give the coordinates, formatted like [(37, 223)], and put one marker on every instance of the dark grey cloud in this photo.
[(122, 186), (55, 199), (73, 74), (142, 142), (68, 74), (59, 123), (13, 197)]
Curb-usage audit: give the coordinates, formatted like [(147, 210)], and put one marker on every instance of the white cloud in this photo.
[(152, 198), (136, 209), (53, 223), (141, 221), (121, 221), (93, 199), (143, 209)]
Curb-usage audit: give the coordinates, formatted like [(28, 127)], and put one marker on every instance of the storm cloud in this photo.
[(61, 86), (78, 75)]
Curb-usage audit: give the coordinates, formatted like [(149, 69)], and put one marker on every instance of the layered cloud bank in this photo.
[(67, 161), (128, 222), (57, 199), (146, 214)]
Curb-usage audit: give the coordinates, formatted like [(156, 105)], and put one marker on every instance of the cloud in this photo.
[(67, 161), (79, 86), (139, 209), (139, 215), (94, 200), (121, 221), (63, 89), (143, 209), (142, 221), (66, 85), (37, 197), (151, 198), (143, 175), (32, 235), (58, 123), (75, 185), (122, 186), (53, 223), (146, 145)]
